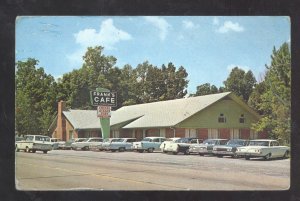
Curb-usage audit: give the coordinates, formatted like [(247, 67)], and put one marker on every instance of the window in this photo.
[(155, 140), (242, 119), (222, 118)]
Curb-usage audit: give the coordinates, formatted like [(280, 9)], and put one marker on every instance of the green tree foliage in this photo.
[(240, 83), (35, 98), (276, 98), (206, 89)]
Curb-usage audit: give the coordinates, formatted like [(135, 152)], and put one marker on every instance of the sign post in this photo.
[(104, 100)]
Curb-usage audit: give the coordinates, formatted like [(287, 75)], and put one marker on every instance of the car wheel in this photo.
[(27, 150), (219, 156), (268, 156), (247, 157), (113, 150), (33, 151), (187, 152), (45, 151), (175, 152), (286, 154), (17, 150), (121, 149), (86, 148), (165, 151), (201, 154), (150, 150), (140, 151)]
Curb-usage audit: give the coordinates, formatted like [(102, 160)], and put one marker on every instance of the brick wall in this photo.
[(224, 133), (153, 132), (202, 133), (245, 133)]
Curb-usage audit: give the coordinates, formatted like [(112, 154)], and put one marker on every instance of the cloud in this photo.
[(231, 66), (216, 21), (230, 26), (161, 24), (188, 24), (107, 36)]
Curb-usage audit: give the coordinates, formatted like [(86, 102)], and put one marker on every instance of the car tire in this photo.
[(286, 154), (219, 156), (150, 150), (201, 154), (86, 148), (33, 151), (113, 150), (187, 152), (140, 151), (27, 150), (45, 151), (165, 151), (175, 152), (247, 157), (268, 156), (121, 149)]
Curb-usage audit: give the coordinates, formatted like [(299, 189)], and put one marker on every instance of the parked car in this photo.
[(56, 142), (85, 144), (167, 141), (33, 143), (148, 144), (207, 146), (68, 144), (181, 145), (264, 148), (105, 144), (230, 148), (122, 144)]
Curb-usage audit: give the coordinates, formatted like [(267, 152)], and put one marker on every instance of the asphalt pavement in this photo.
[(89, 170)]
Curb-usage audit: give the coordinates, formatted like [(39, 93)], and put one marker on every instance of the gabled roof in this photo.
[(157, 114), (164, 113)]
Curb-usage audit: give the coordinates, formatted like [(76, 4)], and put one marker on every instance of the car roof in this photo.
[(38, 135), (154, 137), (259, 140), (216, 139)]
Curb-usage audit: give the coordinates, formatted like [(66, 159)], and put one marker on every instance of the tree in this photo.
[(35, 98), (276, 99), (206, 89), (240, 83)]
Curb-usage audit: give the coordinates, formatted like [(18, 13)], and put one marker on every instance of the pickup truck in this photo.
[(33, 143)]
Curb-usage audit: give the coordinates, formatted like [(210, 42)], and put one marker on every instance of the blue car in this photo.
[(122, 144)]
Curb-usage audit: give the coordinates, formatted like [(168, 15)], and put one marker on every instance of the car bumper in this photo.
[(227, 153)]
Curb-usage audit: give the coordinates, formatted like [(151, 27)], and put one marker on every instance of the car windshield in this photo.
[(259, 143), (209, 142), (146, 140), (81, 140), (223, 142), (235, 142), (29, 138)]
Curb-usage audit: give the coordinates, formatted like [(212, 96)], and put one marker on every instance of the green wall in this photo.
[(208, 118)]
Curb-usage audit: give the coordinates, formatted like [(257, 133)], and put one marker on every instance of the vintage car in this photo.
[(264, 148), (181, 145), (56, 142), (85, 144), (33, 143), (167, 141), (206, 147), (148, 144), (230, 148), (122, 144), (106, 142), (68, 144)]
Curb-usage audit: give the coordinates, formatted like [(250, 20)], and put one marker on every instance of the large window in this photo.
[(242, 119)]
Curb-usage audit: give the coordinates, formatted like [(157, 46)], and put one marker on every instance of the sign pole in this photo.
[(104, 121)]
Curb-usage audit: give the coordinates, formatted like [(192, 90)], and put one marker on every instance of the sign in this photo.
[(103, 98), (104, 111)]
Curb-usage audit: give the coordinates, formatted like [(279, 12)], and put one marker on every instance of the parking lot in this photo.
[(72, 170)]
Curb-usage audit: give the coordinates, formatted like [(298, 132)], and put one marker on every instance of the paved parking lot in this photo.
[(71, 170)]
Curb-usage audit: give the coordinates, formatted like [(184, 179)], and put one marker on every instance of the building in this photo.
[(222, 115)]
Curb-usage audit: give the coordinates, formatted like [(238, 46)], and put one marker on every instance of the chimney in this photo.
[(61, 127)]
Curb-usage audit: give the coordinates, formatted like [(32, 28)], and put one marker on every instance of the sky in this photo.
[(208, 47)]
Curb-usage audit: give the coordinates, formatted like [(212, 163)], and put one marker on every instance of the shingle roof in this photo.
[(164, 113), (156, 114)]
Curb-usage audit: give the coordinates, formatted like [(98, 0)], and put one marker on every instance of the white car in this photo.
[(148, 144), (181, 145), (33, 143), (168, 141), (265, 148), (85, 144), (56, 143)]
